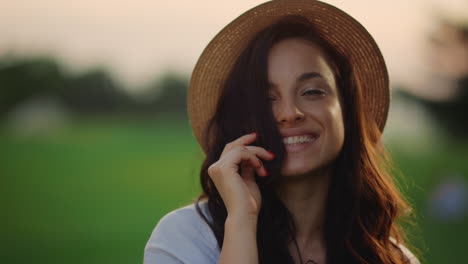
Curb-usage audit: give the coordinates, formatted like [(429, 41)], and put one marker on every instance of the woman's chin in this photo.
[(296, 172)]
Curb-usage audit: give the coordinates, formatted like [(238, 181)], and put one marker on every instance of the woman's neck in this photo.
[(305, 197)]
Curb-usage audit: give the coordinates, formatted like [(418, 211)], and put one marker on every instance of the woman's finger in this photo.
[(247, 157), (241, 141), (247, 139), (261, 152)]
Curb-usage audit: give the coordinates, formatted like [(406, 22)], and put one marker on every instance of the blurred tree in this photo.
[(21, 79), (166, 95), (93, 91), (90, 92)]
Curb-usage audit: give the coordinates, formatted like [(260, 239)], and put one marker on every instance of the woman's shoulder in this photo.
[(411, 257), (183, 234), (187, 215)]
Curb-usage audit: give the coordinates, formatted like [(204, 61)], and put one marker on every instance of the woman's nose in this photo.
[(289, 113)]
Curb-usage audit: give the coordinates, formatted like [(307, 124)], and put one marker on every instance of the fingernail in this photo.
[(271, 153), (253, 133), (266, 172)]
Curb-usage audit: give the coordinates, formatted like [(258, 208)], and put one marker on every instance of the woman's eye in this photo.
[(313, 92)]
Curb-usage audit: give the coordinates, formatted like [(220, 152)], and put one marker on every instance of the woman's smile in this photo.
[(299, 143)]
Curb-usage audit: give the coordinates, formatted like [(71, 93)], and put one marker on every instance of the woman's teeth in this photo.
[(297, 139)]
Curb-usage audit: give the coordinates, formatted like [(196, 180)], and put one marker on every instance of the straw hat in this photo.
[(346, 34)]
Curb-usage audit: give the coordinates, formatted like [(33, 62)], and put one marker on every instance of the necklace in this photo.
[(310, 261)]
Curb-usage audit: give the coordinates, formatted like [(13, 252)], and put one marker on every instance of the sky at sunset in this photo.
[(139, 39)]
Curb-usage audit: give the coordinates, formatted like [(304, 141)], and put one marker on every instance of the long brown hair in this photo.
[(363, 203)]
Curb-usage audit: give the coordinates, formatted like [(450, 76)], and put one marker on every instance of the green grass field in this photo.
[(93, 191)]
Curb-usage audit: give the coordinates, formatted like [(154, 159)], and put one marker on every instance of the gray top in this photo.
[(182, 236)]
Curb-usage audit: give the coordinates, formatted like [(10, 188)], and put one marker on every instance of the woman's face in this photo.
[(306, 105)]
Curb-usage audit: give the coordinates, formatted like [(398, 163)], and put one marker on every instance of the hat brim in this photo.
[(338, 28)]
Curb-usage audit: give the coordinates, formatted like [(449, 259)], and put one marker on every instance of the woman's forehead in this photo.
[(297, 60)]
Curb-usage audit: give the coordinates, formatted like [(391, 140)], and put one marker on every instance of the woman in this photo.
[(289, 102)]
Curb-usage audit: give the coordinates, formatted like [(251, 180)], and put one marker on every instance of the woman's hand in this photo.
[(240, 192)]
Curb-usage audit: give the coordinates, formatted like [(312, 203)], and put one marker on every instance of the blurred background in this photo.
[(95, 144)]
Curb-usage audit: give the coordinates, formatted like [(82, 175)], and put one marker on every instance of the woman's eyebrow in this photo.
[(308, 75), (303, 77)]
